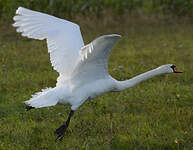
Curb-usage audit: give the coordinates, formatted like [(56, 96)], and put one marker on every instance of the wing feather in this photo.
[(93, 60), (63, 37)]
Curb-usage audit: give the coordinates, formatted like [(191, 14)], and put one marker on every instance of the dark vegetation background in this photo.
[(99, 7), (154, 115)]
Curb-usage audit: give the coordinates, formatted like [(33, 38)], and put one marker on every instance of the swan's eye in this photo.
[(175, 70), (173, 66)]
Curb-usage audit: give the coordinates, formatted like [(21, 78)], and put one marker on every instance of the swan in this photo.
[(83, 69)]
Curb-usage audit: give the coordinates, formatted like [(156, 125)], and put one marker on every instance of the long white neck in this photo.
[(122, 85)]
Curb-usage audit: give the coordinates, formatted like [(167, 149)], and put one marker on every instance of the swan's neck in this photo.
[(121, 85)]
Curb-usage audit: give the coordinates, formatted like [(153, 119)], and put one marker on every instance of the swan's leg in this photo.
[(29, 108), (62, 129)]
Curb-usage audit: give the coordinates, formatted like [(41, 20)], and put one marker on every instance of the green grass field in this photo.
[(154, 115)]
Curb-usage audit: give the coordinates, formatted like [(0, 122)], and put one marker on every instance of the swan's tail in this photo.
[(45, 98)]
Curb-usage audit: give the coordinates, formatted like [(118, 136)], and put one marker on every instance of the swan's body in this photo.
[(83, 70)]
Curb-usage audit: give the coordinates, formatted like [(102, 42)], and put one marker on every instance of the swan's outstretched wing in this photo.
[(64, 38), (93, 59)]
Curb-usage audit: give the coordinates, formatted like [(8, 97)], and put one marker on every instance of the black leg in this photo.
[(29, 108), (62, 129)]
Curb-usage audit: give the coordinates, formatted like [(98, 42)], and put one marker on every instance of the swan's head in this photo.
[(169, 68)]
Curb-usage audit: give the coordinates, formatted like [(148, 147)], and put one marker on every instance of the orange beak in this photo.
[(177, 71)]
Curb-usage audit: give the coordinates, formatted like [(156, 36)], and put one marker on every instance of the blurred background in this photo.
[(154, 115), (100, 13), (74, 8)]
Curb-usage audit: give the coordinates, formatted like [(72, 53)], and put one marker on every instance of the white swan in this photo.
[(83, 70)]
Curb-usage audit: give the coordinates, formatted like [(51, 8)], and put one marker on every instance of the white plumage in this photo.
[(78, 65), (63, 38), (83, 69)]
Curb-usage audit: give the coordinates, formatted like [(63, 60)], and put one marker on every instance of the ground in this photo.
[(154, 115)]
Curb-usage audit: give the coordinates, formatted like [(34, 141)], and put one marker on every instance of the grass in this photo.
[(154, 115)]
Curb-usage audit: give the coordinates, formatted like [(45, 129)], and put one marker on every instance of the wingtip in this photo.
[(18, 9), (117, 35), (13, 25), (114, 36)]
